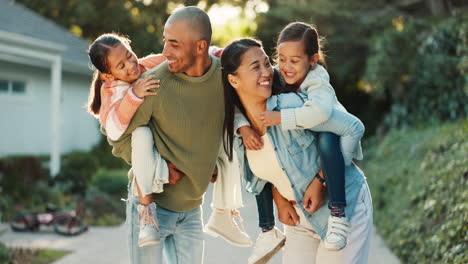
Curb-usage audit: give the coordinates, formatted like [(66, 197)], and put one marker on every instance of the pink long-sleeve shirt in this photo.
[(119, 103)]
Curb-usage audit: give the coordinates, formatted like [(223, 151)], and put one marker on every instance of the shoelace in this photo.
[(145, 215), (236, 213)]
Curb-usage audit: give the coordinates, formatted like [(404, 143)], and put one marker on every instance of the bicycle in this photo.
[(64, 223)]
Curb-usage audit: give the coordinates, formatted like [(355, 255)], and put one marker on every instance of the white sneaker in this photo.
[(223, 224), (149, 229), (337, 234), (266, 246)]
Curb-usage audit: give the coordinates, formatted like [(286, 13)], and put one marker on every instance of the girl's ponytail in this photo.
[(94, 100), (313, 43)]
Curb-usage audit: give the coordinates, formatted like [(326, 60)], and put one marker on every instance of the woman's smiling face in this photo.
[(253, 78)]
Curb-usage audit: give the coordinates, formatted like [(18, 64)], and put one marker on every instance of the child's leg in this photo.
[(227, 190), (333, 168), (144, 167), (227, 198), (144, 200), (143, 162), (266, 217), (271, 239)]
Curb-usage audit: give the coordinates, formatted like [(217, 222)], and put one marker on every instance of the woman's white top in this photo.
[(264, 164)]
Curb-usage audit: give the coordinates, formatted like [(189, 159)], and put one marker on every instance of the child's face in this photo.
[(123, 64), (294, 63)]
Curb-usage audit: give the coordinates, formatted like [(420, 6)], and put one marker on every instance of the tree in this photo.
[(142, 20)]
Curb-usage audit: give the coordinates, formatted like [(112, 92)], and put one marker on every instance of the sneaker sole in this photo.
[(332, 247), (272, 253), (215, 233), (148, 243)]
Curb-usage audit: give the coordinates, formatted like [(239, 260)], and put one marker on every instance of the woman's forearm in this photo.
[(277, 197)]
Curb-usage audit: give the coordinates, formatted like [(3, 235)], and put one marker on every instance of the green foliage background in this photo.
[(419, 183)]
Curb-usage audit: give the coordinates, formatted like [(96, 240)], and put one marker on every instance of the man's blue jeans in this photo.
[(181, 236)]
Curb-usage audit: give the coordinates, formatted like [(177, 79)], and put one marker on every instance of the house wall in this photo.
[(25, 120)]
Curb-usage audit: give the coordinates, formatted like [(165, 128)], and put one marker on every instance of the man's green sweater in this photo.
[(186, 118)]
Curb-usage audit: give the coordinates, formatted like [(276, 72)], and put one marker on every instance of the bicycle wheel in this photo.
[(69, 226), (24, 222)]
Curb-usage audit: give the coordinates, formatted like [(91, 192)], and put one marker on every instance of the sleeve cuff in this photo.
[(288, 119), (133, 97)]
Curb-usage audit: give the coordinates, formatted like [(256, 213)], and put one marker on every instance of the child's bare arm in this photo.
[(270, 118), (250, 137)]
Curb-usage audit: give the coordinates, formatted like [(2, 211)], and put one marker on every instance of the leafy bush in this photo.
[(5, 254), (102, 209), (77, 171), (422, 68), (102, 153), (112, 182), (419, 184), (18, 176)]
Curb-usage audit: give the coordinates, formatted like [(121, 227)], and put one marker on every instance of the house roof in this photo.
[(17, 19)]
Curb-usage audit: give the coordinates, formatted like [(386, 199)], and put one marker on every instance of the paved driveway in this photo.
[(102, 245)]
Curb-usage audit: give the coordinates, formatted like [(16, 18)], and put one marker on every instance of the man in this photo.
[(186, 119)]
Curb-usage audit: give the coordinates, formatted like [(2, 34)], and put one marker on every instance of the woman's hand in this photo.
[(314, 196), (286, 212), (251, 139), (270, 118), (141, 86)]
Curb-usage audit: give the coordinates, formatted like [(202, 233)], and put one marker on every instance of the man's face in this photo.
[(179, 47)]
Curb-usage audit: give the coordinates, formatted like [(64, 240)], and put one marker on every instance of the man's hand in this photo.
[(270, 118), (252, 140), (314, 196), (215, 175), (174, 174)]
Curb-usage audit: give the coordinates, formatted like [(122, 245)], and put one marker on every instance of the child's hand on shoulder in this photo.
[(141, 87), (251, 139), (270, 118)]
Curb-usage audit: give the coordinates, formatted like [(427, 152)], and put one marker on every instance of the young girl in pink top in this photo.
[(115, 95)]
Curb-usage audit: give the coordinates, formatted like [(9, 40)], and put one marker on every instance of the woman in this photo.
[(289, 160)]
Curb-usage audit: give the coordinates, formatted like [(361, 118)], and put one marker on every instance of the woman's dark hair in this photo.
[(299, 31), (97, 54), (230, 62)]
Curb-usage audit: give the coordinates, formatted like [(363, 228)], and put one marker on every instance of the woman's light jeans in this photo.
[(303, 245), (181, 236)]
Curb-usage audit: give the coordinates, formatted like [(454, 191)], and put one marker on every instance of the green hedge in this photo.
[(419, 184)]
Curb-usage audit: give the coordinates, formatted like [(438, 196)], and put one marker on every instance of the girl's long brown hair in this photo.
[(97, 53)]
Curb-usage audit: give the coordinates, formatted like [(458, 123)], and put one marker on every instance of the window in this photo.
[(12, 87)]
